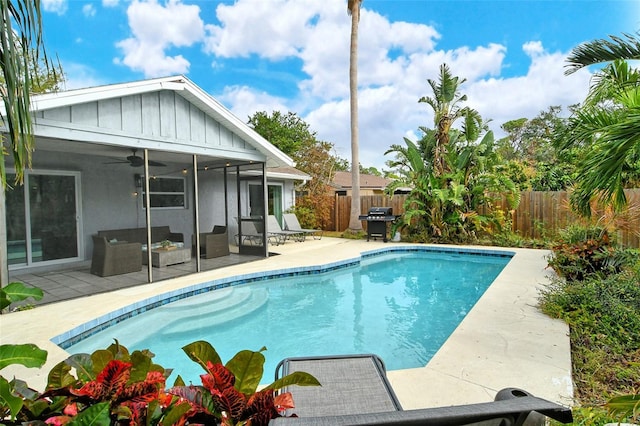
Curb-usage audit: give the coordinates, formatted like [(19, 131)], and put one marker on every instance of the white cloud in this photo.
[(110, 3), (78, 76), (272, 29), (157, 28), (55, 6), (395, 61), (88, 10), (245, 101), (544, 85)]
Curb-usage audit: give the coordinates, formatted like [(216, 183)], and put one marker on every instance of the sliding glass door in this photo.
[(43, 218)]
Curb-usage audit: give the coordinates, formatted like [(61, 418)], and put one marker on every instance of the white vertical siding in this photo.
[(150, 114), (166, 111), (162, 114), (132, 114), (183, 124), (81, 114), (110, 114)]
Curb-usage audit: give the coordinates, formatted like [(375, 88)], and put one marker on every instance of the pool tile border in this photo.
[(75, 335)]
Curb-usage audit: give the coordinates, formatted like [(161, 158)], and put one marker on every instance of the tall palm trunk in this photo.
[(353, 8)]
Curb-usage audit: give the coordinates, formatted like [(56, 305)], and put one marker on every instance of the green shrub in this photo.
[(582, 251), (604, 318)]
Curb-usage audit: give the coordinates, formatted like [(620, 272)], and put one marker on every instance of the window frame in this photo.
[(183, 193)]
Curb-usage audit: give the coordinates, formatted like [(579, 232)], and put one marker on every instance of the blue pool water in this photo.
[(401, 305)]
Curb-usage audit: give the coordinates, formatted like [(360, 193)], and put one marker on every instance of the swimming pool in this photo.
[(396, 303)]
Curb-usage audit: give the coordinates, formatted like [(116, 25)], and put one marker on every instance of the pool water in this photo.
[(401, 306)]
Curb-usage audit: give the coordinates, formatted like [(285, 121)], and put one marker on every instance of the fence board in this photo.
[(540, 214)]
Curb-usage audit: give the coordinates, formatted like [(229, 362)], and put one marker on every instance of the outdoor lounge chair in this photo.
[(355, 391), (251, 236), (274, 228), (292, 224)]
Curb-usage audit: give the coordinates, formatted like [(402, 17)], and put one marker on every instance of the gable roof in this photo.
[(342, 180), (181, 86)]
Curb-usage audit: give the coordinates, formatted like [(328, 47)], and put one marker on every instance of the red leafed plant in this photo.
[(113, 387), (229, 392)]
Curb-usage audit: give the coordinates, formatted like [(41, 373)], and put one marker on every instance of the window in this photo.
[(167, 192)]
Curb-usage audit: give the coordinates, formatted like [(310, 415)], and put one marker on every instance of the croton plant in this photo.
[(115, 387)]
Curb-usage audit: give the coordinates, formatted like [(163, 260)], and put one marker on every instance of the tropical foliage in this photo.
[(17, 292), (607, 124), (532, 160), (451, 171), (597, 294), (22, 51), (113, 386), (316, 158)]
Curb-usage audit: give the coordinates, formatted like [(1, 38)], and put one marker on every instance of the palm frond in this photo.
[(626, 47)]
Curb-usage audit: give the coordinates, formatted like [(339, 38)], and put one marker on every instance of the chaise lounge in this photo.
[(275, 229), (292, 224), (355, 391)]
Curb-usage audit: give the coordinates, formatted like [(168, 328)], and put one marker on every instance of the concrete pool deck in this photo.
[(504, 341)]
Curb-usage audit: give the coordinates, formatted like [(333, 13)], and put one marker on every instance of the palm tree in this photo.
[(450, 170), (446, 110), (607, 124), (598, 51), (353, 9), (22, 51)]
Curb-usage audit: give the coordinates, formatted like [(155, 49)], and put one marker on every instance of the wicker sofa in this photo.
[(214, 243), (139, 235), (119, 251)]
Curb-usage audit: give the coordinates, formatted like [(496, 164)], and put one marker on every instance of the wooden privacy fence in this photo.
[(539, 213)]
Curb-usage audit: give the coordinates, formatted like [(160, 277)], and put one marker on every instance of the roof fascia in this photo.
[(190, 91)]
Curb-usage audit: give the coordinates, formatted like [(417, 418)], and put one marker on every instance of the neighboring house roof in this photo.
[(287, 173), (342, 180), (182, 86)]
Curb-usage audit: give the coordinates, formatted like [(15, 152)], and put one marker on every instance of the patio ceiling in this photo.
[(112, 153)]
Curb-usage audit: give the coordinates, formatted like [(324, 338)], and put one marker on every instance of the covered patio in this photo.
[(135, 157), (78, 282)]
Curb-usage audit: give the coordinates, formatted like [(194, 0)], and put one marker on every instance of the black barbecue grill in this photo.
[(377, 220)]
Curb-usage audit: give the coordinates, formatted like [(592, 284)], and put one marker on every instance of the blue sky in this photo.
[(292, 55)]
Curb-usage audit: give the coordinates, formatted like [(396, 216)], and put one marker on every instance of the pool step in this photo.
[(210, 301), (236, 304)]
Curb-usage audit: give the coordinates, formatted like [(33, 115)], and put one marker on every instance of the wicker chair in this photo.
[(115, 258), (214, 243)]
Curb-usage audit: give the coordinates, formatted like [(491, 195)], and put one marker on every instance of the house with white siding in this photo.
[(158, 152)]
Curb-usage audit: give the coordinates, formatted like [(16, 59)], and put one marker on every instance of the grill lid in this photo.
[(380, 211)]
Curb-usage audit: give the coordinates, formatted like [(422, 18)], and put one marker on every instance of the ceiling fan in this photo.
[(136, 161)]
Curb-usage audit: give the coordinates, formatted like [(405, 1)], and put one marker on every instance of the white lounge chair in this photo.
[(273, 226), (249, 235), (292, 224)]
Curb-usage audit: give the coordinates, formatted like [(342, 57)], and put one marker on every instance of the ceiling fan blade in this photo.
[(137, 161)]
